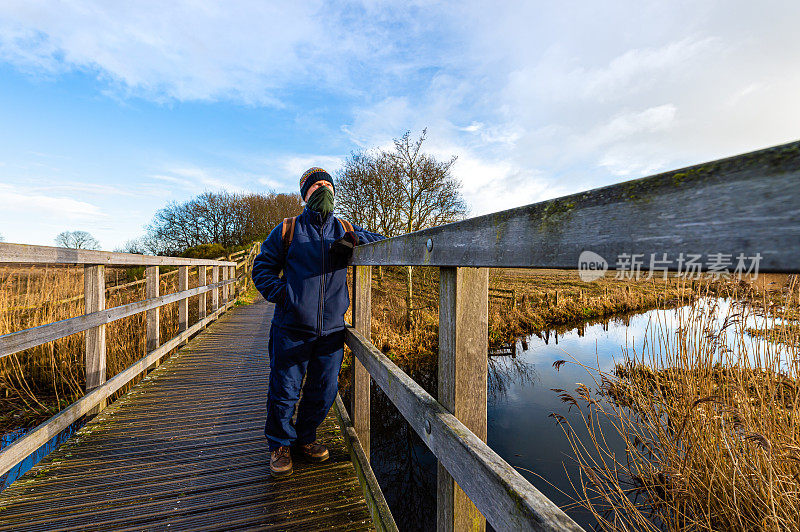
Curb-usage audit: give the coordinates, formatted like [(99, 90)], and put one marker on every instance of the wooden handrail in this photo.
[(745, 204), (26, 254), (742, 206), (504, 497), (24, 446), (124, 286), (27, 338), (97, 316)]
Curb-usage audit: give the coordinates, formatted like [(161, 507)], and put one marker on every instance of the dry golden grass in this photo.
[(546, 299), (37, 383), (710, 422)]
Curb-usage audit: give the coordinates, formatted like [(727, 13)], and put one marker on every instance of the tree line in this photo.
[(388, 191), (224, 218)]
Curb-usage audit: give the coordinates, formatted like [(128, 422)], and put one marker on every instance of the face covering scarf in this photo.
[(322, 201)]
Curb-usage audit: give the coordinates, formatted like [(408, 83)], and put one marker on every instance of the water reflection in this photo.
[(23, 467), (521, 380)]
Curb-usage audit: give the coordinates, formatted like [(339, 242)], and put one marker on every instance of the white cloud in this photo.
[(17, 201), (294, 166), (536, 99), (196, 179)]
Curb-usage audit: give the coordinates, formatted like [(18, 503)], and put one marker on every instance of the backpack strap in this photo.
[(287, 233), (345, 224)]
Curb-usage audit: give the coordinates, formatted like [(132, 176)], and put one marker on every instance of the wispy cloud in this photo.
[(13, 199), (535, 99)]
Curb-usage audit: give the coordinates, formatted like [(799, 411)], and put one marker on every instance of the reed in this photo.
[(37, 383), (708, 415), (537, 309)]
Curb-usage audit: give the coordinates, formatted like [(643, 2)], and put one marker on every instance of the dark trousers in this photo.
[(292, 356)]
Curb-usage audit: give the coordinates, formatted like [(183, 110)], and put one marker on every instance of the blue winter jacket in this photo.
[(311, 297)]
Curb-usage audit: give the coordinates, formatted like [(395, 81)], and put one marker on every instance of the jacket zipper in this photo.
[(322, 280)]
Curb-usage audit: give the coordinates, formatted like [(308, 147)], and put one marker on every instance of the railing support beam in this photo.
[(94, 293), (201, 299), (152, 281), (183, 304), (215, 292), (225, 289), (463, 359), (362, 322)]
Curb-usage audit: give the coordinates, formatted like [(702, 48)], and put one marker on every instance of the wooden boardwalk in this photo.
[(185, 449)]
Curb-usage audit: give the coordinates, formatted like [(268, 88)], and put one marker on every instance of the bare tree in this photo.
[(431, 195), (223, 218), (367, 193), (134, 245), (400, 191), (76, 240)]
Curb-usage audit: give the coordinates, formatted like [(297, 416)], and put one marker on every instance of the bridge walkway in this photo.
[(185, 449)]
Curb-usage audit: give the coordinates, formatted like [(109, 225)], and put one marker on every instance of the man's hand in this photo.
[(343, 247)]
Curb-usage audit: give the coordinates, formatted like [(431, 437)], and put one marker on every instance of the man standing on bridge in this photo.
[(306, 336)]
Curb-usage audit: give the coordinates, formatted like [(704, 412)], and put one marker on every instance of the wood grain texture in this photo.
[(185, 450), (17, 341), (378, 507), (35, 438), (202, 280), (746, 204), (226, 288), (26, 254), (94, 293), (503, 496), (153, 315), (463, 360), (362, 321), (215, 292), (183, 304)]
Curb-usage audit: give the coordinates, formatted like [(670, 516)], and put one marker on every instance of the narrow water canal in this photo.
[(520, 402)]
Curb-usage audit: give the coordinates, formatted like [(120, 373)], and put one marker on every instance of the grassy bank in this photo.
[(711, 425), (544, 299), (710, 421)]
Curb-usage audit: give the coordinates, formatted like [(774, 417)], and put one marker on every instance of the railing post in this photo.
[(226, 288), (152, 281), (215, 291), (234, 286), (362, 322), (183, 304), (94, 295), (463, 359), (201, 299)]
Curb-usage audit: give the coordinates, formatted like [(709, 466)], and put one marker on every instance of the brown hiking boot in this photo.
[(280, 462), (314, 452)]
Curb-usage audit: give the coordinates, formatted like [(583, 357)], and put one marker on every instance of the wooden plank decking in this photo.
[(185, 449)]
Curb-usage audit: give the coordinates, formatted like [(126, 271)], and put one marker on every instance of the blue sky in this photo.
[(111, 110)]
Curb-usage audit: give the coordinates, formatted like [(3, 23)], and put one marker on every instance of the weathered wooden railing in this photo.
[(749, 205), (96, 316)]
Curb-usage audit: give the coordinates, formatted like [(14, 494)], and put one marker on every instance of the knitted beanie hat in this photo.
[(311, 176)]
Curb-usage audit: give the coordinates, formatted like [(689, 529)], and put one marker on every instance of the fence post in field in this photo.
[(463, 360), (152, 282), (94, 294), (201, 299), (215, 291), (183, 304), (362, 322)]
